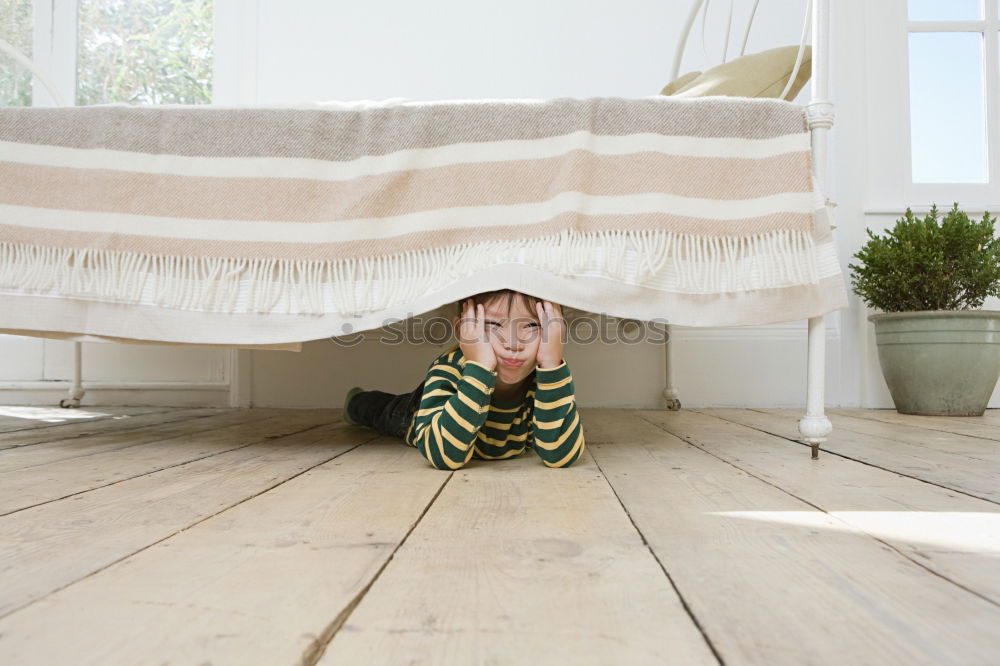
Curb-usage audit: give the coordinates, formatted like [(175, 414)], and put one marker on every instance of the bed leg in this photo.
[(76, 391), (670, 393), (815, 426)]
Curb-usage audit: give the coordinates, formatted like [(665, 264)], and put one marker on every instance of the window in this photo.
[(152, 52), (953, 65), (101, 51), (15, 29)]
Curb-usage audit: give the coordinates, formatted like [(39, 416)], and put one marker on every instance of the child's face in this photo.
[(515, 337)]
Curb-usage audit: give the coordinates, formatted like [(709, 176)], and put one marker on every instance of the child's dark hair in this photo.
[(487, 297)]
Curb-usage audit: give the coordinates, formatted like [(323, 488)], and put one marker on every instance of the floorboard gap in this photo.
[(847, 457), (821, 509), (687, 609), (922, 426), (320, 644)]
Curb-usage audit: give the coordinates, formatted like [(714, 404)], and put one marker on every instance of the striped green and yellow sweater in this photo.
[(457, 419)]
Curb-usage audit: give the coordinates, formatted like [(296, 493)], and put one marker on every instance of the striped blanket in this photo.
[(274, 225)]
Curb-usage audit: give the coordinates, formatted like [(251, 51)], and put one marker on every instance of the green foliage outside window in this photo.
[(136, 51), (145, 52), (926, 265), (15, 28)]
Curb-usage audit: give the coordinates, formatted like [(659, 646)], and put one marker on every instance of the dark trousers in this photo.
[(386, 413)]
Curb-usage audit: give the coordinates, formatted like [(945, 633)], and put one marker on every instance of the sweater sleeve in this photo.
[(453, 408), (555, 422)]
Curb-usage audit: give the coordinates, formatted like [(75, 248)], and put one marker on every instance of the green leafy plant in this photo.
[(926, 265), (145, 51)]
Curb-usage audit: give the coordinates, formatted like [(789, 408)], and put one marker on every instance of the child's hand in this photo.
[(472, 335), (550, 349)]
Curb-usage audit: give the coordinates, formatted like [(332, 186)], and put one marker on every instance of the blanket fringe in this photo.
[(676, 262)]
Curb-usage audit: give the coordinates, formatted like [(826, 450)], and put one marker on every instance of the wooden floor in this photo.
[(200, 536)]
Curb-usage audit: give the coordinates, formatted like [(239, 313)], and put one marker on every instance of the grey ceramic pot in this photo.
[(942, 362)]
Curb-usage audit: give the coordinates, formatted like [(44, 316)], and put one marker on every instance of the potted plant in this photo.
[(939, 354)]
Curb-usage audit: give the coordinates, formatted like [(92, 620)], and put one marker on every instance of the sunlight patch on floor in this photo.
[(50, 414), (973, 532)]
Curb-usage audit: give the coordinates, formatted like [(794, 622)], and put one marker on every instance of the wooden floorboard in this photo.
[(752, 560), (50, 546), (699, 536), (517, 563), (20, 489), (37, 432), (951, 534), (82, 445), (261, 583), (920, 461), (986, 426), (17, 418), (972, 448)]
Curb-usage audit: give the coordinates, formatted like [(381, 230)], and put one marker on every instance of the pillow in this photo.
[(677, 84), (761, 74)]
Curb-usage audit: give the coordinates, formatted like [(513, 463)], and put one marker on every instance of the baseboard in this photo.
[(783, 332), (132, 394)]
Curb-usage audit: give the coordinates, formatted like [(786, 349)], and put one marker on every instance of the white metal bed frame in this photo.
[(814, 427)]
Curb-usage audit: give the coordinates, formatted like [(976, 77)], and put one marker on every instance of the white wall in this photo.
[(443, 49), (287, 51)]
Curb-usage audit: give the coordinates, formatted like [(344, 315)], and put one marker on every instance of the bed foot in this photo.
[(73, 401), (76, 391), (70, 403), (673, 403), (815, 429)]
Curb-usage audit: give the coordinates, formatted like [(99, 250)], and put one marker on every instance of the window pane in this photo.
[(945, 10), (151, 52), (15, 28), (947, 117)]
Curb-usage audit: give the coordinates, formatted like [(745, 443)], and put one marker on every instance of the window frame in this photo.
[(54, 38), (889, 150)]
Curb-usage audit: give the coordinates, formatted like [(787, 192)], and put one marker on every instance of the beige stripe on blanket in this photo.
[(205, 208)]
